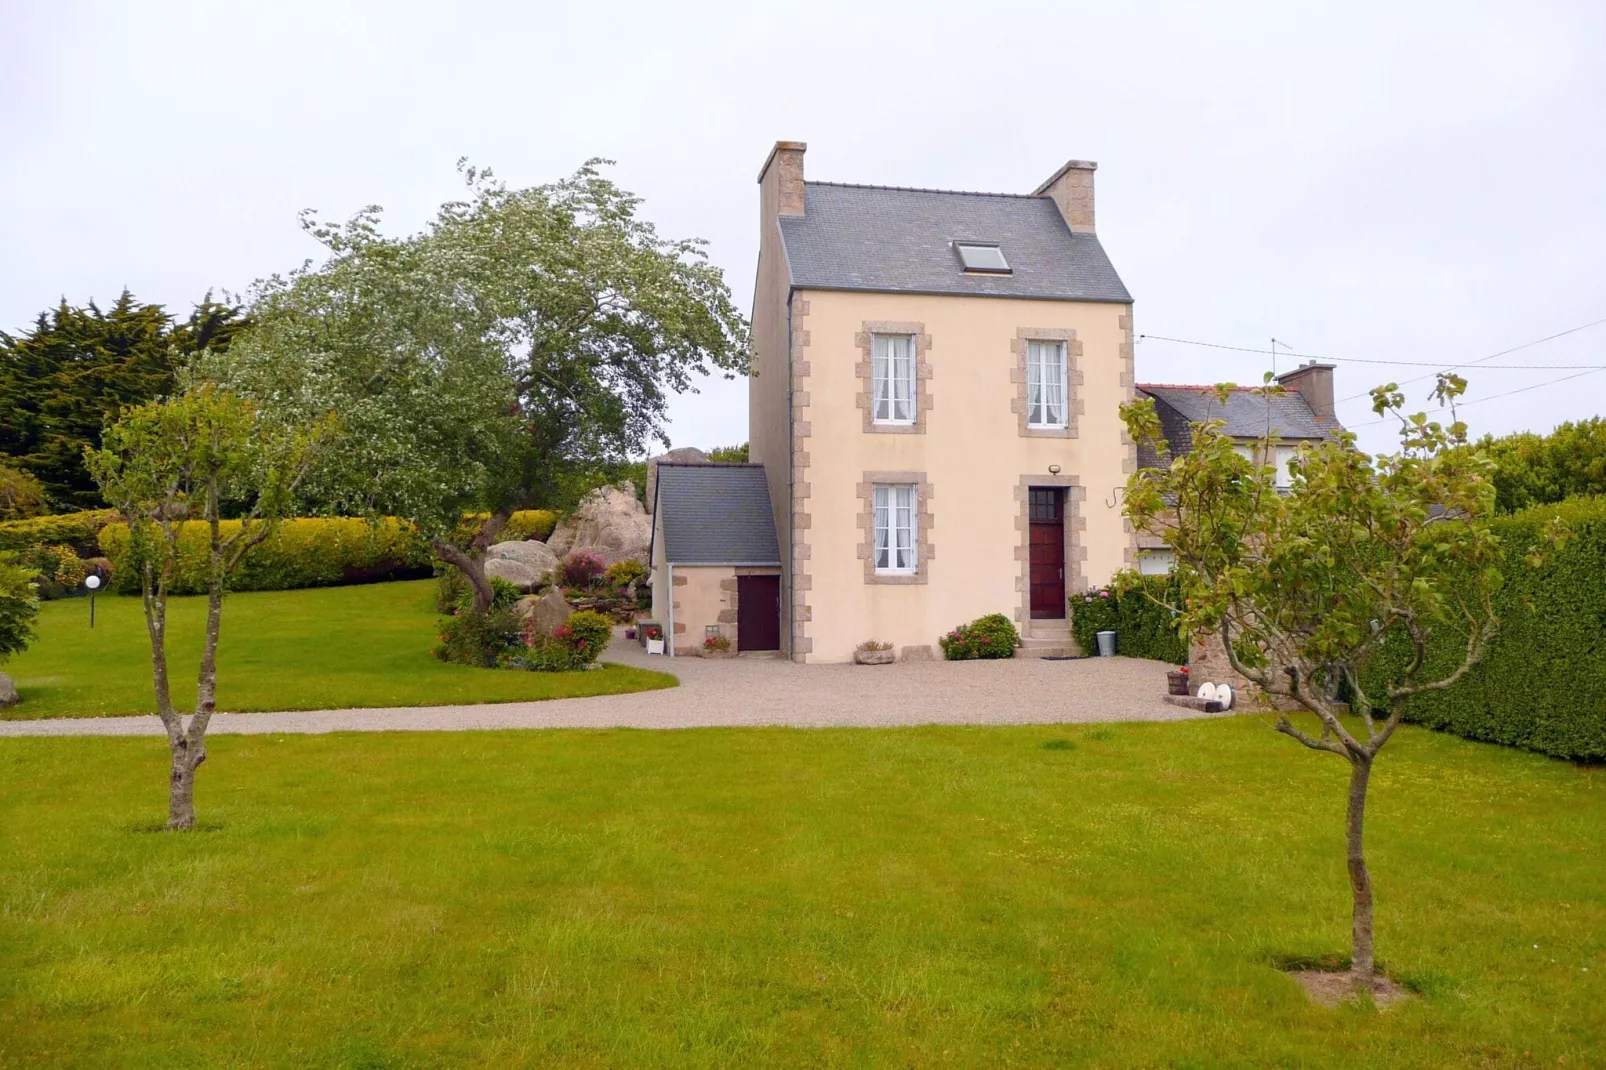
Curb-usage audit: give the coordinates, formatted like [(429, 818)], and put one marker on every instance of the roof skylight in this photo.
[(982, 258)]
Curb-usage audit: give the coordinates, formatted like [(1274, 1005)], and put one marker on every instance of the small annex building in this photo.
[(716, 563)]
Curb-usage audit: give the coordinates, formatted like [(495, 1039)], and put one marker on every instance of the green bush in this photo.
[(1135, 608), (306, 552), (22, 497), (522, 526), (78, 530), (481, 639), (1539, 685), (992, 636), (19, 605), (622, 574), (575, 644), (57, 570)]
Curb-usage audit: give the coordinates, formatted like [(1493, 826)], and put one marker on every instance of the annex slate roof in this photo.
[(716, 514), (1246, 415), (891, 239)]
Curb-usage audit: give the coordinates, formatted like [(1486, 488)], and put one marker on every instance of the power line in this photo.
[(1491, 397), (1410, 363)]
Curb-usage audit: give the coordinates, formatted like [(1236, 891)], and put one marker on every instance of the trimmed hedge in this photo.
[(78, 530), (306, 552), (522, 526), (1542, 683), (1143, 627)]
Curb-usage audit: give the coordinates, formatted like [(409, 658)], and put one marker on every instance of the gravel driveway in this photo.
[(750, 691)]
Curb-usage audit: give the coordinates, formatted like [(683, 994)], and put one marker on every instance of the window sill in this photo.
[(916, 576)]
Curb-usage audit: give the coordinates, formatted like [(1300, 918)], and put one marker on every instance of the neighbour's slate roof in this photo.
[(890, 239), (716, 514), (1246, 415)]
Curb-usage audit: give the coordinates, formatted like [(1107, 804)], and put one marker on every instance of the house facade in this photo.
[(934, 404), (1303, 413)]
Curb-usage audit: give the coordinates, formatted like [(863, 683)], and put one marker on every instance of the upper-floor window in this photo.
[(892, 378), (1045, 384), (1285, 474), (895, 528), (982, 258)]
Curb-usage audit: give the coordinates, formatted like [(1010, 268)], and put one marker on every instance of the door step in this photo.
[(1047, 639)]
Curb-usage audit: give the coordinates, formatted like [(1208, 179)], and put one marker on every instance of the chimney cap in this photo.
[(781, 146), (1308, 366)]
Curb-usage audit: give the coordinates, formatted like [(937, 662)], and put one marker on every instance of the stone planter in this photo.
[(874, 657)]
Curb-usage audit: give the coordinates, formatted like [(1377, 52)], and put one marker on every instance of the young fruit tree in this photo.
[(524, 341), (1339, 581), (168, 464)]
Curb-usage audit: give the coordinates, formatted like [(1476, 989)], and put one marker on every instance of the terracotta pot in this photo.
[(874, 657)]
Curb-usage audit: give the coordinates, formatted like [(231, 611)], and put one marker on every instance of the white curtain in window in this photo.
[(895, 528), (1046, 386), (892, 378)]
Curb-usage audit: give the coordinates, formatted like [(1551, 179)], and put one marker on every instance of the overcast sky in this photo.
[(1414, 182)]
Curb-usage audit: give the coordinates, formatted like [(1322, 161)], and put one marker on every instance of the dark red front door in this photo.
[(758, 612), (1048, 553)]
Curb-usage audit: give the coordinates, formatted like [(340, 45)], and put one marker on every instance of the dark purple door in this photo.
[(1048, 553), (758, 612)]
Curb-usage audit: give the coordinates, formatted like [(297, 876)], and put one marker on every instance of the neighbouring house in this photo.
[(1303, 413), (716, 564), (933, 409)]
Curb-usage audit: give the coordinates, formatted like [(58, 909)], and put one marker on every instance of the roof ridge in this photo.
[(710, 464), (1188, 386), (927, 189)]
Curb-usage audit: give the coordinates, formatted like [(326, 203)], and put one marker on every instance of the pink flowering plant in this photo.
[(992, 636)]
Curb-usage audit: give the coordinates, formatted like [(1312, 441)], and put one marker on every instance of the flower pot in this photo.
[(1177, 682), (874, 657)]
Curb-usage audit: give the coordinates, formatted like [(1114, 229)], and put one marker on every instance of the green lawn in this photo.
[(1107, 896), (323, 648)]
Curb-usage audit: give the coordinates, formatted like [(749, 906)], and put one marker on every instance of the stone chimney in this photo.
[(1314, 383), (780, 180), (1071, 188)]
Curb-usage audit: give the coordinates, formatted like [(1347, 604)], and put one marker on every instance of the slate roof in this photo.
[(716, 514), (1246, 415), (891, 239)]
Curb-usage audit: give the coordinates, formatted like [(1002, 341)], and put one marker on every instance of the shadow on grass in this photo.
[(161, 826)]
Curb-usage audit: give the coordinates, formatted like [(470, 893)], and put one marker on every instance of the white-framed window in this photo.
[(892, 378), (1046, 385), (1285, 475), (895, 532)]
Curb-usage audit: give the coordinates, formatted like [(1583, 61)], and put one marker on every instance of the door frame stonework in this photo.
[(1075, 545)]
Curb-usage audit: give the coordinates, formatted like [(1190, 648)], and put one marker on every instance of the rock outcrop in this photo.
[(610, 522), (547, 612), (8, 692), (537, 555), (517, 573)]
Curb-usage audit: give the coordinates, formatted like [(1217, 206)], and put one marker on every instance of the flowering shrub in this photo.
[(57, 569), (480, 639), (580, 570), (717, 643), (623, 573), (992, 636), (1140, 609), (574, 644)]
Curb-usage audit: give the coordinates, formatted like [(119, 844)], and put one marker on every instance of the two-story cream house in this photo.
[(934, 405)]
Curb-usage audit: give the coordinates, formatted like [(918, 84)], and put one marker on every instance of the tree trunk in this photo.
[(471, 562), (181, 784), (1361, 967)]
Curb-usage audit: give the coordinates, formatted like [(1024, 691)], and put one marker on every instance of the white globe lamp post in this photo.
[(93, 583)]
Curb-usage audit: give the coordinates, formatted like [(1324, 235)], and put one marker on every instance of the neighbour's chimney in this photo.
[(1071, 187), (1314, 383), (780, 180)]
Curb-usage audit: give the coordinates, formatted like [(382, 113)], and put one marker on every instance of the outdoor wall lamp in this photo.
[(1053, 469)]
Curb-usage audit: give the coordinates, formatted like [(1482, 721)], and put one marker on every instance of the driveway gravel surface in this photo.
[(748, 691)]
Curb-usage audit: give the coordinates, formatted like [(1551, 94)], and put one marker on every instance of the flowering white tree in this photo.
[(525, 337)]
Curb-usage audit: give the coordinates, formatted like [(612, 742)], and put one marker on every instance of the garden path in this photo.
[(749, 691)]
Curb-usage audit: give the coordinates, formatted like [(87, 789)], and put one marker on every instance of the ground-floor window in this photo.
[(1156, 562), (895, 528)]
